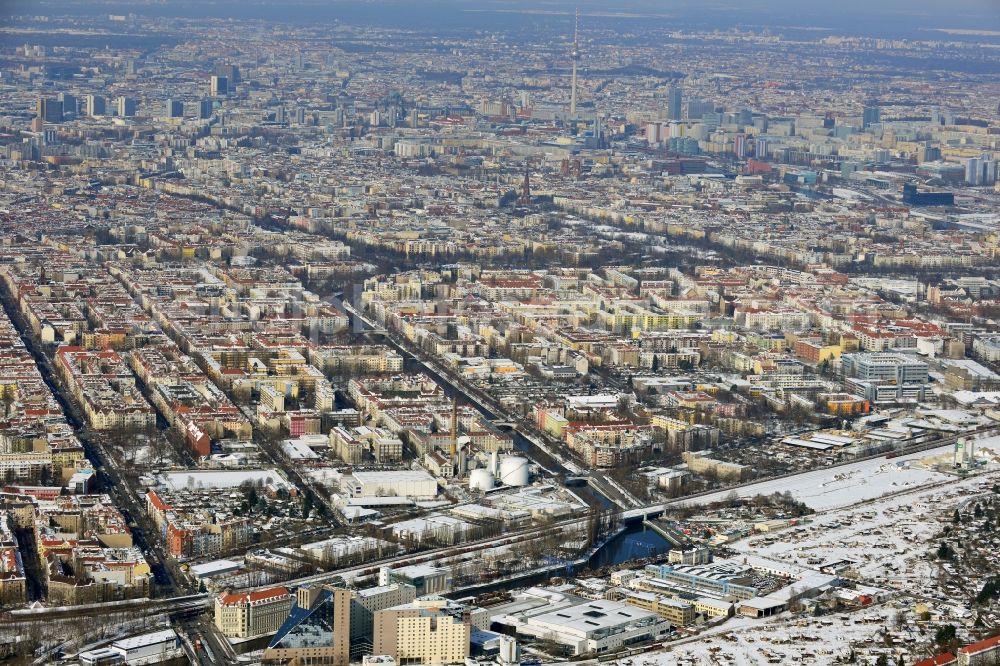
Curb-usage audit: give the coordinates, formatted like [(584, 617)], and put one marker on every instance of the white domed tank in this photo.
[(514, 471), (481, 479)]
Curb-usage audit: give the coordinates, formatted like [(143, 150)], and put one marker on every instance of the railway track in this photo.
[(192, 604), (445, 553)]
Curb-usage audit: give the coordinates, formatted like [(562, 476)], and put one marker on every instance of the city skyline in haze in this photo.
[(891, 18), (500, 332)]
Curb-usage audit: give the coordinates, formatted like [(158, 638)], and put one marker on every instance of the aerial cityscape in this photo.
[(498, 333)]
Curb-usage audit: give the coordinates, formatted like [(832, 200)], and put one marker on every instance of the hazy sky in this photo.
[(865, 17)]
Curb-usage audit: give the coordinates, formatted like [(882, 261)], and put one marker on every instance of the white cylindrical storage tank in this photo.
[(481, 479), (514, 471)]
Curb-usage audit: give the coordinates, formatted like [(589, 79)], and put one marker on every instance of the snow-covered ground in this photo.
[(887, 539), (849, 484), (876, 515), (220, 478), (744, 642)]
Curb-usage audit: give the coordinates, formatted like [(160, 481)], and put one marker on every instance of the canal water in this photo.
[(589, 495), (636, 542)]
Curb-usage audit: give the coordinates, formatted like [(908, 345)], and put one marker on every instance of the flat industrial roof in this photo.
[(393, 475), (806, 444), (763, 603), (135, 642), (595, 615), (214, 567)]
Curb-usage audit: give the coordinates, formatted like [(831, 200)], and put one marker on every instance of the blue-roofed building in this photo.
[(484, 643), (317, 630), (365, 603)]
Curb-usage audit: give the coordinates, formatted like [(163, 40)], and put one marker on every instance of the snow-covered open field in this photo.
[(743, 642), (887, 538), (220, 478), (879, 516), (849, 484)]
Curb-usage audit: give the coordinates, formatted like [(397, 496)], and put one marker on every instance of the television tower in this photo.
[(574, 54)]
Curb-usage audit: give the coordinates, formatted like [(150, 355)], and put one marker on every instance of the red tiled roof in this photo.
[(155, 500), (981, 645), (260, 595)]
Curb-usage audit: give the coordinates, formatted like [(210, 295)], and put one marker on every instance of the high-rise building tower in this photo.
[(174, 108), (872, 115), (989, 170), (220, 86), (230, 72), (49, 109), (760, 148), (70, 104), (654, 133), (126, 107), (318, 629), (574, 54), (740, 145), (205, 109), (674, 102), (96, 105), (974, 171)]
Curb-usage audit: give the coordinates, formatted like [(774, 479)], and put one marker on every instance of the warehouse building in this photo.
[(582, 626), (398, 483)]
